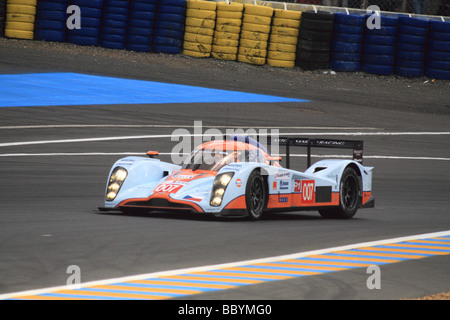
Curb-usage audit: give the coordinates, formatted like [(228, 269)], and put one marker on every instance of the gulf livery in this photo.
[(237, 177)]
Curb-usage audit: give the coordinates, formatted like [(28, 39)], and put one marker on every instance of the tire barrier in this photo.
[(411, 43), (346, 46), (51, 20), (170, 21), (256, 26), (437, 64), (20, 18), (2, 17), (379, 47), (227, 31), (141, 22), (284, 38), (91, 18), (114, 28), (198, 41), (314, 43)]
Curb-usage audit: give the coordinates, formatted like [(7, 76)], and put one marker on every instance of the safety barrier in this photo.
[(254, 33)]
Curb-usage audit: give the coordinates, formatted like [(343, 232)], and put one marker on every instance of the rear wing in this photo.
[(355, 145)]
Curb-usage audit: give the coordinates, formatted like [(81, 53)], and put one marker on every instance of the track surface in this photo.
[(48, 216)]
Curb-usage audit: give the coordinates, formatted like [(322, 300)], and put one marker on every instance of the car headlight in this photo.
[(116, 180), (219, 186)]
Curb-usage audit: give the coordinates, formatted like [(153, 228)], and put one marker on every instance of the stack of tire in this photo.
[(20, 18), (411, 42), (141, 21), (2, 17), (314, 43), (438, 53), (51, 20), (256, 23), (198, 43), (114, 28), (346, 46), (284, 38), (227, 31), (91, 19), (169, 26), (379, 46)]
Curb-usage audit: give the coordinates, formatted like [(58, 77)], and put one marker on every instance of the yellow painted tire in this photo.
[(258, 10), (17, 8), (252, 52), (226, 35), (196, 54), (201, 14), (226, 42), (281, 47), (288, 23), (224, 49), (20, 17), (257, 19), (201, 5), (283, 39), (200, 31), (251, 60), (192, 37), (254, 35), (276, 55), (280, 63), (224, 56), (229, 14), (23, 2), (226, 28), (283, 31), (195, 46), (256, 28), (19, 34), (200, 23), (287, 14), (262, 45), (232, 7), (21, 26), (229, 22)]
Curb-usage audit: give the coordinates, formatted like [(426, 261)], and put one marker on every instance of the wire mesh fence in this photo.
[(424, 7)]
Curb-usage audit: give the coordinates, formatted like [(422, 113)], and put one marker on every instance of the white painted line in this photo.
[(224, 265), (25, 143)]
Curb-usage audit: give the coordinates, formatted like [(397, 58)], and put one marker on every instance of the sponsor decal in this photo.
[(298, 186), (282, 175), (284, 184), (238, 183), (183, 176), (193, 199), (168, 188), (283, 199), (308, 191), (274, 185)]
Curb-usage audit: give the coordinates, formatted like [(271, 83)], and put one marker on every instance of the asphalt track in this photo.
[(55, 161)]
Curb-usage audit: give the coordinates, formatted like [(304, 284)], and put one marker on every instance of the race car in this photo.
[(237, 177)]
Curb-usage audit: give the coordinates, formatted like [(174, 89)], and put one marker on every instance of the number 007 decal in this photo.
[(308, 191), (168, 188)]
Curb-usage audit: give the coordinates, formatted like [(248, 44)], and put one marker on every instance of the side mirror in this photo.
[(152, 154)]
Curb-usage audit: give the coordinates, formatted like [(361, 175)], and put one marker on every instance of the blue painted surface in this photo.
[(64, 89)]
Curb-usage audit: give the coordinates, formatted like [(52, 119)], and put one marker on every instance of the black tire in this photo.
[(349, 197), (255, 195)]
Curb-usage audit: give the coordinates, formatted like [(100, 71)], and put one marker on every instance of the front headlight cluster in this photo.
[(219, 186), (116, 180)]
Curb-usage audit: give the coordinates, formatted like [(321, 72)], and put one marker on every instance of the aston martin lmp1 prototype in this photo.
[(237, 176)]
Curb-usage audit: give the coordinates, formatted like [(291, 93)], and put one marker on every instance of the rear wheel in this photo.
[(349, 197), (255, 195)]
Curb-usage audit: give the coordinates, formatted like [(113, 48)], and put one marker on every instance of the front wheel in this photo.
[(255, 195), (349, 197)]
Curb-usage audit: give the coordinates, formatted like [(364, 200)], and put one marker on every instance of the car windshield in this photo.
[(213, 160)]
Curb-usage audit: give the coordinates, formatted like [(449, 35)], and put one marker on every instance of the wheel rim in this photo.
[(349, 193), (256, 197)]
